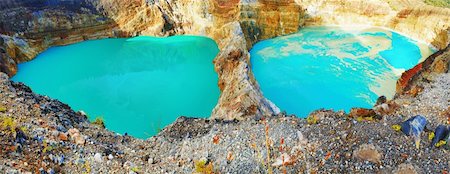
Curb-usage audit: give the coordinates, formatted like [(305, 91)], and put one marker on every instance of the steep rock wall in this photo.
[(410, 17), (49, 23), (409, 82), (28, 27), (269, 18)]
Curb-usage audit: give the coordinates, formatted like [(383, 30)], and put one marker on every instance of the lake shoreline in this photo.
[(330, 145)]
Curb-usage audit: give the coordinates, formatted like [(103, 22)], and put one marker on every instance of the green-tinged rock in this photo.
[(99, 121), (312, 119), (438, 3), (2, 108), (204, 166), (8, 124), (440, 143), (396, 127)]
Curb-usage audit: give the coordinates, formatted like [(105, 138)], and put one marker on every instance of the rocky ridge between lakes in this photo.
[(29, 27), (42, 135)]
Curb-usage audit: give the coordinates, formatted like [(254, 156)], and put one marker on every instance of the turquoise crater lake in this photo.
[(137, 85), (333, 68)]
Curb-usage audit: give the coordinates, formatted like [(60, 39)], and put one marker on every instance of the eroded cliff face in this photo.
[(56, 24), (265, 19), (410, 81), (29, 27), (411, 17)]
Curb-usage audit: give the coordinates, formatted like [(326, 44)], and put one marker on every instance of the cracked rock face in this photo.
[(29, 27)]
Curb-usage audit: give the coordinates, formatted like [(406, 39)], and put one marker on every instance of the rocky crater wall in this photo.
[(411, 17), (31, 26)]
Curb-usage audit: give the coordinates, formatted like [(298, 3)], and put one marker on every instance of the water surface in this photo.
[(332, 68), (136, 85)]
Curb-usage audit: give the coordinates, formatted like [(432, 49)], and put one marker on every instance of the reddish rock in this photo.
[(404, 80), (63, 136), (415, 90), (362, 112), (216, 139)]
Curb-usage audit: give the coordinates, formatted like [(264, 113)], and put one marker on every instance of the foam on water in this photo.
[(137, 85), (331, 68)]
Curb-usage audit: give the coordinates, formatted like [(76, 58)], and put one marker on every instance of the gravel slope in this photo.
[(46, 140)]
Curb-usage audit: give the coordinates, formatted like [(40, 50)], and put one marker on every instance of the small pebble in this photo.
[(98, 157)]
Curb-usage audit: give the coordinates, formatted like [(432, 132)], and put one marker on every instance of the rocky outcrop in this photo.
[(269, 18), (31, 26), (410, 80), (61, 23)]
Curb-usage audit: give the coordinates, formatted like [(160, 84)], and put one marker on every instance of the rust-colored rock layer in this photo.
[(28, 27)]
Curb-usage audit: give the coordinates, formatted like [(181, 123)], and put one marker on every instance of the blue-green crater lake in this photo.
[(333, 68), (137, 85)]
